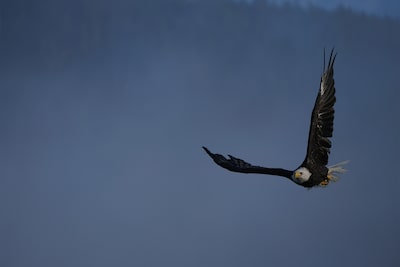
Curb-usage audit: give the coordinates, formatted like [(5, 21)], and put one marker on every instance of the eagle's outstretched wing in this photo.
[(321, 127), (239, 165)]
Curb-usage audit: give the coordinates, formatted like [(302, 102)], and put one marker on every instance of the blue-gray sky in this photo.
[(105, 107)]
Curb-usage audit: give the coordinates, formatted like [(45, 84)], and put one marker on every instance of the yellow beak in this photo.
[(297, 175)]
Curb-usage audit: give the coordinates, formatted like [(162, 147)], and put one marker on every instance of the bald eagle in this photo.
[(313, 171)]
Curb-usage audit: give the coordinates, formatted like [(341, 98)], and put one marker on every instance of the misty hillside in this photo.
[(52, 33), (104, 107)]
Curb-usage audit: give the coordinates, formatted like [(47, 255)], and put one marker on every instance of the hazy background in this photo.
[(105, 106)]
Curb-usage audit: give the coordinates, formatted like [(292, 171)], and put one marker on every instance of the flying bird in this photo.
[(313, 171)]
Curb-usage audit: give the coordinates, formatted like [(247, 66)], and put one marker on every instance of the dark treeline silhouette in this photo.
[(49, 33)]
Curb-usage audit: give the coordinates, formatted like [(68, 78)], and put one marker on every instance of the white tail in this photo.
[(335, 170)]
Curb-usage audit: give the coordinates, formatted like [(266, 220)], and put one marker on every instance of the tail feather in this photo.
[(335, 170)]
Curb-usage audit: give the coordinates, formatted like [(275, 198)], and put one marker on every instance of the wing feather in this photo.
[(321, 126), (238, 165)]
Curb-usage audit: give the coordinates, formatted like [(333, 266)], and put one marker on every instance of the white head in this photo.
[(301, 175)]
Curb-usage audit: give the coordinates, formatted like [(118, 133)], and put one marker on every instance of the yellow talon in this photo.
[(324, 183)]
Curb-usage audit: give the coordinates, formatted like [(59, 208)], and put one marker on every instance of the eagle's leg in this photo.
[(324, 182), (329, 178)]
